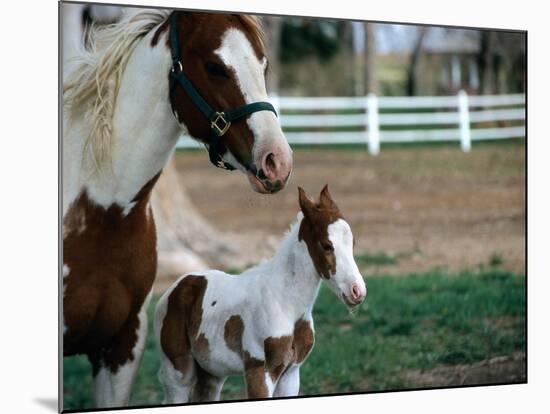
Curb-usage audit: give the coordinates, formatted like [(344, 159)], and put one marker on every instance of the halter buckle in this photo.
[(179, 67), (220, 129)]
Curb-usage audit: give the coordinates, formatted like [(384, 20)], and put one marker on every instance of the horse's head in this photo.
[(330, 245), (223, 57)]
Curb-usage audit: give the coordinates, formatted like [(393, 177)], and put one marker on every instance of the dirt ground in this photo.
[(500, 370), (428, 206)]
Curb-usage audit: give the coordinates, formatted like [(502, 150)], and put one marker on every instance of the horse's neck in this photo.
[(293, 281), (144, 133)]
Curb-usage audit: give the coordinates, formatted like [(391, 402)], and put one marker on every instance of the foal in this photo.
[(259, 323)]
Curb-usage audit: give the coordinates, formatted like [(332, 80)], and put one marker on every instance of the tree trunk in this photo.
[(412, 72), (273, 28), (186, 241), (370, 61), (486, 61), (358, 42)]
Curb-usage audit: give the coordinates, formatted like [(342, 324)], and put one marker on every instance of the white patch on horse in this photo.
[(112, 389), (128, 209), (143, 139), (237, 53), (66, 271)]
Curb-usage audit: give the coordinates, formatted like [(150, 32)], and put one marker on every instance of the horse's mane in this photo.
[(92, 85)]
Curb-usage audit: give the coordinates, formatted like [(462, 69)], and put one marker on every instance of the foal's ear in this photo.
[(306, 203), (325, 199)]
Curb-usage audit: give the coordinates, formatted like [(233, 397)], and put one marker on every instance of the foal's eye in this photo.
[(327, 247), (215, 69)]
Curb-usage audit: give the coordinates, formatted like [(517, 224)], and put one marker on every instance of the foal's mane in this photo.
[(92, 86)]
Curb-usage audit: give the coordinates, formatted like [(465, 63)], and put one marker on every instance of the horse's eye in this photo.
[(215, 69), (327, 247)]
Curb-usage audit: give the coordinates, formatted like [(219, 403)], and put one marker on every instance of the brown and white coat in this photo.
[(210, 325), (120, 127)]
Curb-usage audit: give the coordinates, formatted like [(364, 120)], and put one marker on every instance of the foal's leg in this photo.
[(258, 381), (208, 386), (289, 383), (177, 384), (115, 371)]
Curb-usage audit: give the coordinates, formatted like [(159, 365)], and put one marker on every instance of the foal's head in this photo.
[(330, 245), (223, 55)]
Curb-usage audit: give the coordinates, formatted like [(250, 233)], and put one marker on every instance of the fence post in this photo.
[(373, 128), (464, 116)]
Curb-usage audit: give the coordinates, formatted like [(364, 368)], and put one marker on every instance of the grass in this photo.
[(420, 321), (375, 259)]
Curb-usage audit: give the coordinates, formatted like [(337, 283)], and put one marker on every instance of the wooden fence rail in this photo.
[(375, 120)]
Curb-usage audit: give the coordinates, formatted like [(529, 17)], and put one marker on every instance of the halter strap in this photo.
[(220, 121)]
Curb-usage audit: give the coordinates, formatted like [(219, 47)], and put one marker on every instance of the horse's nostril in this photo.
[(270, 160), (261, 174), (270, 165), (355, 291)]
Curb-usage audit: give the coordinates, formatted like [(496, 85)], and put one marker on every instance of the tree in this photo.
[(412, 70), (370, 58), (487, 61), (185, 240), (273, 29)]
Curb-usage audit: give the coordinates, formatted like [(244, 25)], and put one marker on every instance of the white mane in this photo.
[(92, 86)]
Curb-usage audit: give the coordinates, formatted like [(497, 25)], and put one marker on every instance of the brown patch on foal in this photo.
[(314, 230), (254, 373), (182, 321), (233, 334), (283, 351), (112, 259), (304, 340), (201, 347), (279, 354), (254, 369)]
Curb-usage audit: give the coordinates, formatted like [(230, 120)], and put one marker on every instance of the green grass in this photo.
[(408, 322), (375, 259)]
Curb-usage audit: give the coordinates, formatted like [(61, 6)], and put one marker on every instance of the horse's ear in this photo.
[(325, 199), (306, 203)]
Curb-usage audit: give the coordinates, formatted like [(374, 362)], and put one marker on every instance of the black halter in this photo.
[(220, 121)]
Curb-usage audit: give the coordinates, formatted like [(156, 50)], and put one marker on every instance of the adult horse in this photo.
[(127, 101)]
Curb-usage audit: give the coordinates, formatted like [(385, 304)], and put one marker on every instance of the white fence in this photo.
[(309, 120)]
